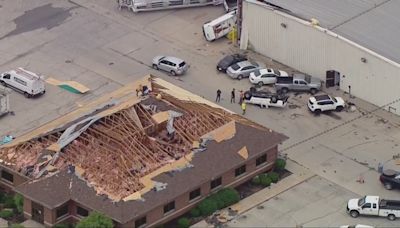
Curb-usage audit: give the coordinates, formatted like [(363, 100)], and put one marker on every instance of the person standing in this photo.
[(218, 99), (241, 97), (233, 96), (243, 107)]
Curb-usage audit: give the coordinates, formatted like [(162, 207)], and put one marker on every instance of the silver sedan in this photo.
[(242, 69)]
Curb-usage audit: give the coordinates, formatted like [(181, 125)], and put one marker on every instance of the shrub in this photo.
[(6, 213), (195, 212), (255, 180), (228, 196), (19, 203), (9, 202), (274, 176), (207, 207), (61, 225), (16, 225), (280, 164), (95, 220), (183, 222), (265, 180)]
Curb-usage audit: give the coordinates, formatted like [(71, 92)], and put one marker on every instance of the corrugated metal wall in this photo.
[(314, 51)]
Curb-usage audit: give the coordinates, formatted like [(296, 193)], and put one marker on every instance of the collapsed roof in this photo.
[(123, 147)]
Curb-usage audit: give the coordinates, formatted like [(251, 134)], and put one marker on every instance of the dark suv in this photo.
[(390, 179), (229, 60)]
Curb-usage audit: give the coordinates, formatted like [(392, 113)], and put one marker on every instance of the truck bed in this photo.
[(389, 204)]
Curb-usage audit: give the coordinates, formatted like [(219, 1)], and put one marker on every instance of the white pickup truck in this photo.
[(374, 206)]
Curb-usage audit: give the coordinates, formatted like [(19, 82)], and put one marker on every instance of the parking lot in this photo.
[(94, 43), (314, 203)]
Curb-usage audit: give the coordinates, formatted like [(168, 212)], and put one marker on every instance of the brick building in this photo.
[(141, 161)]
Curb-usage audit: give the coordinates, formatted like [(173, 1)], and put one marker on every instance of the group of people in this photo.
[(233, 96)]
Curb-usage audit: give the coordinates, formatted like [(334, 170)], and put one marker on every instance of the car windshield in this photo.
[(182, 64), (235, 67), (334, 99), (228, 59), (307, 78), (277, 72), (257, 73), (361, 201)]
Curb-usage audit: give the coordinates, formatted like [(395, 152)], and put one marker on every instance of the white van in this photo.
[(29, 83), (219, 27)]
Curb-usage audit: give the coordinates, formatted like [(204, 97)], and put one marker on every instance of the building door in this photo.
[(37, 212), (332, 78)]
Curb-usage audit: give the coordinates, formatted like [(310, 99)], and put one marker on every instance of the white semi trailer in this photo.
[(150, 5)]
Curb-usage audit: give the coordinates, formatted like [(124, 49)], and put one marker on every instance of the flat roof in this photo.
[(373, 24)]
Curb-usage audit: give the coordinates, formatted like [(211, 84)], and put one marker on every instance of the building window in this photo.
[(194, 194), (7, 176), (140, 222), (82, 211), (239, 171), (261, 160), (169, 207), (215, 183), (62, 211)]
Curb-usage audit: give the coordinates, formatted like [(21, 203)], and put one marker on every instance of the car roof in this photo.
[(323, 97), (246, 63), (173, 59)]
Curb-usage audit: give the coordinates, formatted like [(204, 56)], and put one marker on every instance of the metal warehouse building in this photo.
[(353, 43)]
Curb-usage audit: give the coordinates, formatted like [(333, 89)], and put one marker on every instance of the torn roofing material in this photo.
[(206, 165), (121, 154)]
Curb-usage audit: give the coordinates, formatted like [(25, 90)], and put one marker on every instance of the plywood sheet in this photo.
[(160, 117), (244, 153), (222, 133)]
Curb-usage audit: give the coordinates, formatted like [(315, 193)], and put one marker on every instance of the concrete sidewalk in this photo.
[(299, 175)]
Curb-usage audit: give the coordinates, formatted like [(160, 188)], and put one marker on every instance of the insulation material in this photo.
[(225, 132), (244, 153), (71, 86), (160, 117)]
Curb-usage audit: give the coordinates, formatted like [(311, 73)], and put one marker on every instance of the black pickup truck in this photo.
[(390, 179)]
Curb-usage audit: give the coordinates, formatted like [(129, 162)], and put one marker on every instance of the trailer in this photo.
[(151, 5), (4, 101)]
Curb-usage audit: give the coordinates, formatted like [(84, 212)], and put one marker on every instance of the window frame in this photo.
[(58, 217), (258, 163), (169, 207), (77, 211), (139, 223), (4, 178), (219, 183), (197, 195), (240, 170)]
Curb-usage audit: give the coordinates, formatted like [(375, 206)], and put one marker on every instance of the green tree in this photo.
[(95, 220), (280, 164), (228, 196), (183, 222), (195, 212), (6, 213), (19, 203), (207, 207), (274, 176)]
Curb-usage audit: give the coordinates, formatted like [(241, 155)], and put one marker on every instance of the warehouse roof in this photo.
[(373, 24)]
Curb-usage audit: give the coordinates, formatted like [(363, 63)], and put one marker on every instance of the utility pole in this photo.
[(239, 19)]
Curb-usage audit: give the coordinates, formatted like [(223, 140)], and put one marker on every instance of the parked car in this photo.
[(229, 60), (266, 76), (298, 82), (321, 103), (374, 206), (264, 98), (356, 226), (242, 69), (24, 81), (172, 65), (390, 179)]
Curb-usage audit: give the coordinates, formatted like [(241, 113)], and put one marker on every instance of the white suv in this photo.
[(321, 103)]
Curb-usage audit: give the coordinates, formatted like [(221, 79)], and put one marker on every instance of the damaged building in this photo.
[(140, 160)]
